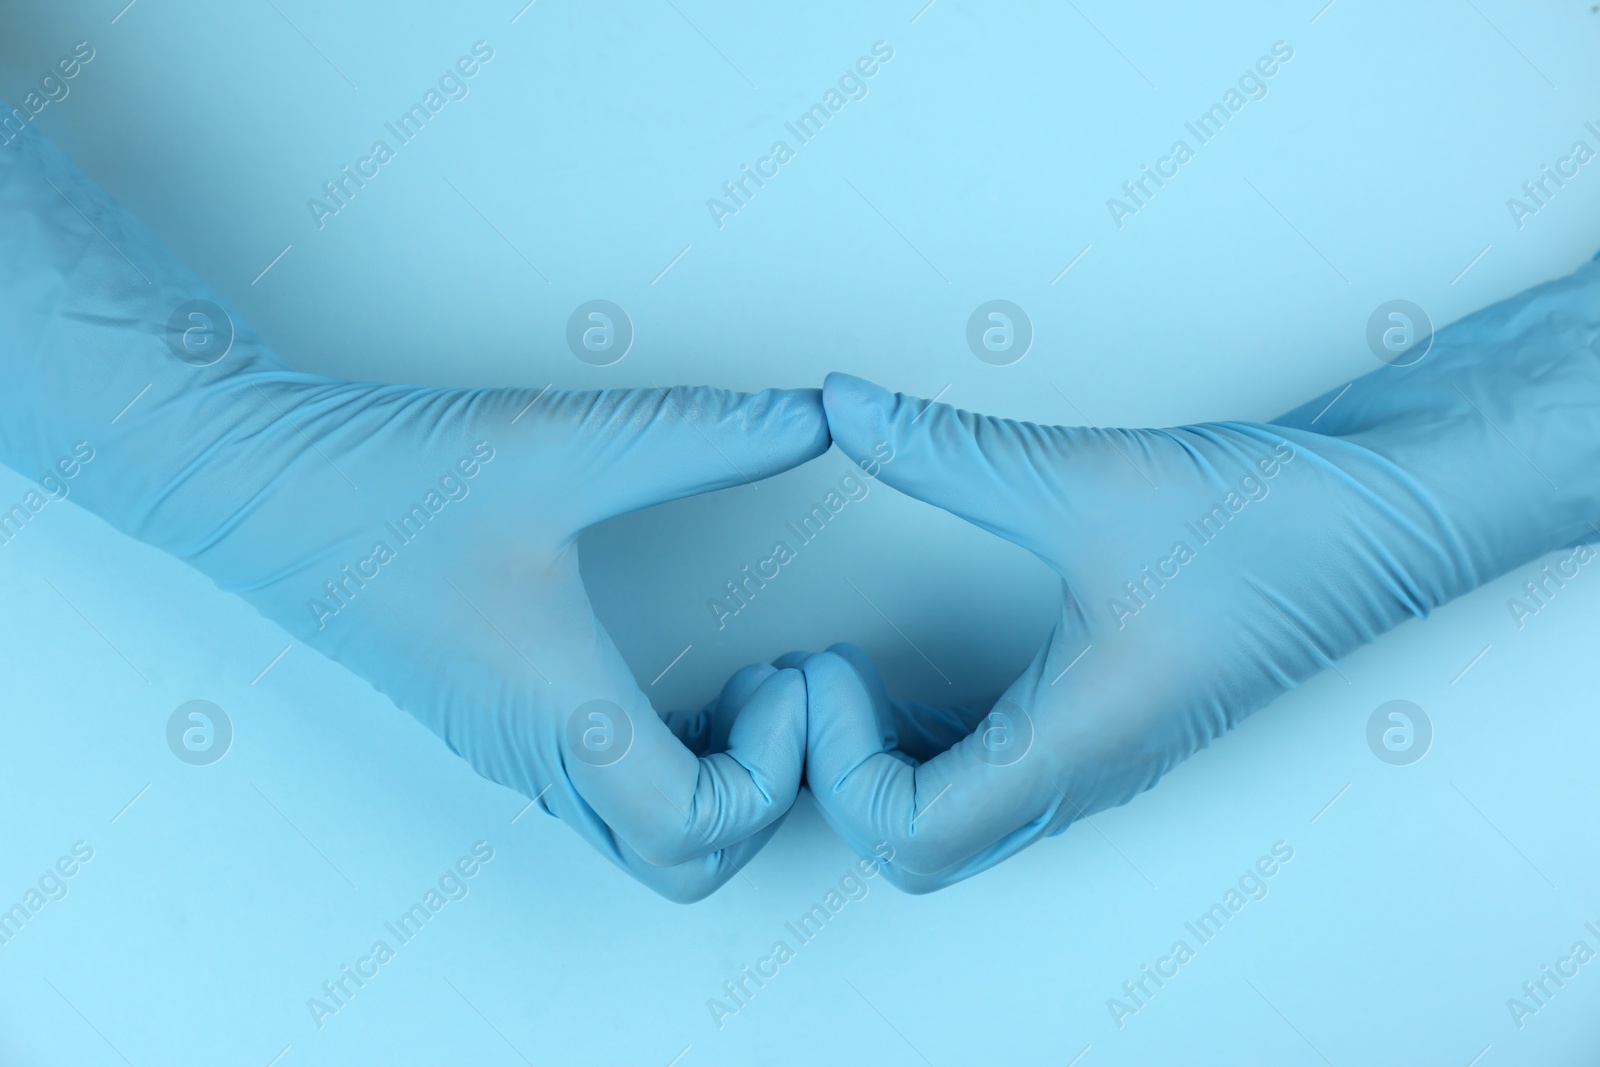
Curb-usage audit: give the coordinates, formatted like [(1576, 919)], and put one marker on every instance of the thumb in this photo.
[(1027, 483), (638, 447)]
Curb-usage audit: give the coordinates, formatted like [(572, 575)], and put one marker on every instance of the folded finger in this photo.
[(920, 731), (670, 806), (966, 808), (696, 879), (706, 731), (683, 883)]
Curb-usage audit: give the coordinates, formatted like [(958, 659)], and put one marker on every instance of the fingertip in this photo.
[(859, 661), (1001, 475), (839, 387), (786, 685), (842, 730), (857, 412), (634, 448), (801, 414), (828, 671), (706, 731), (769, 737), (744, 683), (796, 659)]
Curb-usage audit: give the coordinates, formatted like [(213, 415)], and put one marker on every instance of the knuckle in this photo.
[(920, 856), (686, 891), (669, 849), (916, 885)]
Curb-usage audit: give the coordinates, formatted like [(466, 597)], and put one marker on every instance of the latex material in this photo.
[(1205, 569), (426, 538)]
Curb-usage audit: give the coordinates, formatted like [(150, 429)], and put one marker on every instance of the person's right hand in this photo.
[(1205, 570)]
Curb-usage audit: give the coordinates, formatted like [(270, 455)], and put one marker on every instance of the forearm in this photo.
[(87, 359), (1497, 427)]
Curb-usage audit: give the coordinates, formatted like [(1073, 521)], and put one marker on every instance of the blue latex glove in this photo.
[(425, 538), (1205, 570)]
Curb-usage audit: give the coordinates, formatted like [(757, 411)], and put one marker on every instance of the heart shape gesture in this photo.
[(427, 539), (1205, 570)]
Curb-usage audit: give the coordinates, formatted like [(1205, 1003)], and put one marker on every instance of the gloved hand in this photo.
[(425, 538), (1205, 570)]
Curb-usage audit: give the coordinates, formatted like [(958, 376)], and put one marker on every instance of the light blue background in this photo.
[(981, 161)]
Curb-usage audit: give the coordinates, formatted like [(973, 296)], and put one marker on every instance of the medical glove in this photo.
[(425, 538), (1204, 569)]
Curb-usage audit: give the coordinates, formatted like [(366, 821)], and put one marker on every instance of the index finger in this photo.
[(671, 807), (983, 799)]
